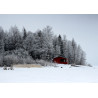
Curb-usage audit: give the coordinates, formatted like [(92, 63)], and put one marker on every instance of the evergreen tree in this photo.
[(69, 52), (60, 43), (56, 47), (74, 50), (39, 45), (78, 55), (1, 40), (65, 52), (82, 59), (1, 46), (24, 33)]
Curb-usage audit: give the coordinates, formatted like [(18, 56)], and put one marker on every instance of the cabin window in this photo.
[(63, 60)]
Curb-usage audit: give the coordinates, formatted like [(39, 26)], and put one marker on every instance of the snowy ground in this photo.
[(66, 74)]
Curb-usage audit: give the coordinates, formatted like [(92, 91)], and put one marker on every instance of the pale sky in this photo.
[(83, 28)]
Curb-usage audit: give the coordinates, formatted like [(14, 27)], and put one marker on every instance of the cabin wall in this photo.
[(60, 60)]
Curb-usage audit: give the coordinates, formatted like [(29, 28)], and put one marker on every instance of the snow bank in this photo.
[(60, 74)]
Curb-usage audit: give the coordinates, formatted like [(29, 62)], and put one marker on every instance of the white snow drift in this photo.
[(60, 74)]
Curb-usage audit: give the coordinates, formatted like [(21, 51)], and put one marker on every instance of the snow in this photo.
[(66, 74)]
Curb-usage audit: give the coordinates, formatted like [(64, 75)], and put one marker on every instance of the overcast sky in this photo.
[(83, 28)]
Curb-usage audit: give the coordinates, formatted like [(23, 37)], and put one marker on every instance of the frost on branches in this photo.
[(27, 46)]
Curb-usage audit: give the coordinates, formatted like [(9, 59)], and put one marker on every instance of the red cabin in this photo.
[(60, 60)]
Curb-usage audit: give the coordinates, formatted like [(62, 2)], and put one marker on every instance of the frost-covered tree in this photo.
[(56, 47), (74, 51), (14, 39), (78, 55), (65, 51), (48, 42), (60, 43), (38, 43), (69, 52), (28, 42), (1, 40), (1, 46), (25, 46), (24, 33), (83, 59)]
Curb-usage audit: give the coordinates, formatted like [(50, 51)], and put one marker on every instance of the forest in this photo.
[(25, 47)]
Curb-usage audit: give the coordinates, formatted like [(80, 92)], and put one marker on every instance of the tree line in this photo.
[(26, 46)]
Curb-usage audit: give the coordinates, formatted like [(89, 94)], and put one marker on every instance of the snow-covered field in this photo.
[(66, 74)]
